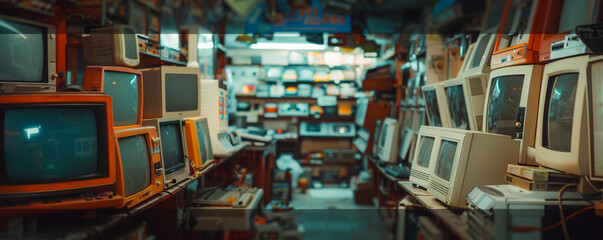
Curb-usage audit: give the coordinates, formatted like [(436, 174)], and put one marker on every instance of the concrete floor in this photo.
[(330, 213)]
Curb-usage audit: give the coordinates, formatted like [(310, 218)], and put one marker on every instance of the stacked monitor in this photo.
[(511, 106), (171, 91), (139, 169), (28, 62), (173, 149), (434, 98), (198, 142), (422, 166), (563, 116), (68, 142), (114, 45)]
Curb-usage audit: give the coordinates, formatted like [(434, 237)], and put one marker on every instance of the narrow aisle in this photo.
[(330, 213)]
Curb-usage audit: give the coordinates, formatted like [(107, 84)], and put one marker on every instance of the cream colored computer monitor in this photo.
[(433, 95), (464, 102), (511, 106), (561, 140), (479, 60)]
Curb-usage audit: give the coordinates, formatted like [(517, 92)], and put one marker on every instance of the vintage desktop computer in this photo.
[(214, 106), (28, 63), (139, 168), (313, 129), (388, 143), (511, 106), (434, 98), (171, 91), (111, 46), (464, 159), (523, 27), (198, 142), (566, 43), (422, 166), (294, 109), (69, 145), (564, 125), (173, 149), (124, 85)]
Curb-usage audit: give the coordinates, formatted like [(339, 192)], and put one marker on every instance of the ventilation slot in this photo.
[(419, 175), (475, 85), (479, 120), (439, 188)]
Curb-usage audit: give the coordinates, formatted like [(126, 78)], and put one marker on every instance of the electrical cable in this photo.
[(550, 227), (563, 225), (591, 184)]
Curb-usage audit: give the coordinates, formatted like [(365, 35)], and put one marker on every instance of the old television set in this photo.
[(124, 85), (198, 142), (433, 95), (566, 43), (214, 106), (57, 146), (28, 63), (522, 30), (464, 102), (294, 109), (511, 106), (465, 159), (171, 91), (563, 128), (377, 136), (341, 129), (139, 169), (388, 143), (422, 166), (112, 46), (419, 117), (173, 149), (313, 129)]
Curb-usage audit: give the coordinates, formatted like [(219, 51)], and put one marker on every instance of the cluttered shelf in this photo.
[(454, 222), (241, 97)]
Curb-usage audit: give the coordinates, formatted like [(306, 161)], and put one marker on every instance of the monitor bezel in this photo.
[(192, 134), (388, 147), (575, 161), (91, 80), (48, 81), (156, 184), (105, 133), (530, 97), (592, 159)]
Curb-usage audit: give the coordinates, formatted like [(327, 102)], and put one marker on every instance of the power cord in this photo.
[(563, 225)]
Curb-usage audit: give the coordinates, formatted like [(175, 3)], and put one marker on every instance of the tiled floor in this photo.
[(330, 213)]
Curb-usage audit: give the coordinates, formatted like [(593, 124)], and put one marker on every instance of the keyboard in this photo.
[(398, 171), (218, 197)]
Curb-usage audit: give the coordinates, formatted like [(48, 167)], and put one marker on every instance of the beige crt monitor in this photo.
[(511, 106), (464, 102), (171, 91), (422, 166), (563, 125), (466, 159), (388, 143), (434, 98)]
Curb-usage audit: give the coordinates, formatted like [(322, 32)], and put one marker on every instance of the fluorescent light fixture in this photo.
[(288, 46)]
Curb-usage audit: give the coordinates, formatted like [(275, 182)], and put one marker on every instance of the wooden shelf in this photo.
[(287, 99)]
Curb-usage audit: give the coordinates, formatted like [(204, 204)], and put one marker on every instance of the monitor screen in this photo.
[(458, 107), (559, 112), (203, 138), (171, 146), (573, 13), (131, 41), (480, 50), (431, 101), (425, 152), (181, 92), (124, 91), (135, 163), (45, 144), (596, 111), (505, 95), (23, 52), (446, 159)]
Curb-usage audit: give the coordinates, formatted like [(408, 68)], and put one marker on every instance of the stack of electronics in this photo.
[(255, 135), (324, 129), (230, 208)]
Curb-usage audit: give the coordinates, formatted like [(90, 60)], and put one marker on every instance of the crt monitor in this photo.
[(56, 145), (594, 87), (173, 149), (478, 62), (389, 141), (112, 46), (460, 166), (464, 102), (511, 106), (171, 91), (28, 62), (198, 142), (422, 167), (124, 85), (562, 129), (139, 174)]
